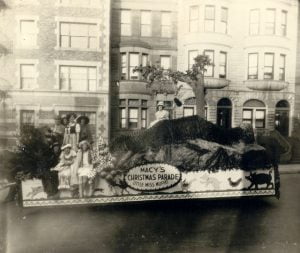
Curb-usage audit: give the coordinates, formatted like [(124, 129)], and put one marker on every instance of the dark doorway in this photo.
[(282, 117), (224, 112)]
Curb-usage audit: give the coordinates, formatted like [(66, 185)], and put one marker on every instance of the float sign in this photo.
[(153, 177)]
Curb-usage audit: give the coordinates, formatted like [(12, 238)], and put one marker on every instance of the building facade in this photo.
[(58, 56), (142, 33), (252, 45), (54, 60)]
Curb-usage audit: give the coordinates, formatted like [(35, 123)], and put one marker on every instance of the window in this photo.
[(27, 76), (209, 22), (223, 65), (254, 113), (133, 62), (134, 114), (255, 117), (166, 25), (78, 35), (282, 67), (128, 62), (269, 66), (260, 118), (123, 66), (144, 60), (144, 118), (194, 19), (209, 69), (253, 66), (247, 116), (122, 117), (188, 111), (133, 117), (224, 20), (165, 62), (78, 78), (283, 23), (145, 23), (270, 22), (26, 118), (192, 55), (28, 33), (254, 22), (125, 23)]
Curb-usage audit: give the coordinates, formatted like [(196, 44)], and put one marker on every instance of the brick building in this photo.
[(54, 59)]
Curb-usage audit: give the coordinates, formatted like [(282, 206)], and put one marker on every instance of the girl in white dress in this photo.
[(65, 166), (85, 169)]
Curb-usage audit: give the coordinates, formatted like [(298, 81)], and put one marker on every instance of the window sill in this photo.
[(266, 85), (215, 83), (97, 50)]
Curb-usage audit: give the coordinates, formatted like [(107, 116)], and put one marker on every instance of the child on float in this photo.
[(85, 169), (72, 132), (65, 166)]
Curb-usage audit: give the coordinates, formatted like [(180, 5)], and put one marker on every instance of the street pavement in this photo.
[(219, 226)]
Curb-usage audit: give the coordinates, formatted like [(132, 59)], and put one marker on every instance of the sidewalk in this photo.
[(289, 168)]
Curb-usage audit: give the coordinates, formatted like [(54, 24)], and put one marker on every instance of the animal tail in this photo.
[(234, 183)]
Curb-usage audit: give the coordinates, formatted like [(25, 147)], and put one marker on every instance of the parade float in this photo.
[(181, 158), (186, 158)]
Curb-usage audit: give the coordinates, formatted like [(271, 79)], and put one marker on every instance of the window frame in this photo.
[(272, 66), (165, 57), (194, 20), (23, 34), (257, 64), (206, 19), (166, 27), (282, 68), (141, 105), (268, 23), (253, 120), (283, 25), (224, 22), (70, 36), (148, 25), (223, 65), (69, 79), (22, 124), (212, 61), (128, 31), (34, 78), (136, 75), (251, 23)]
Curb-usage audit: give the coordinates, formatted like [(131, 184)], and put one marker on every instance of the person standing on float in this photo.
[(72, 132)]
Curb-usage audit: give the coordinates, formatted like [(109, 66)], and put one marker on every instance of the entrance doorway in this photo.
[(224, 112), (282, 117)]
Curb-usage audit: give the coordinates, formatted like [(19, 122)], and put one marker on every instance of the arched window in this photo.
[(254, 113), (224, 112)]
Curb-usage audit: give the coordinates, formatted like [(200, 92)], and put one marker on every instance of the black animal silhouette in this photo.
[(260, 179), (234, 183)]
